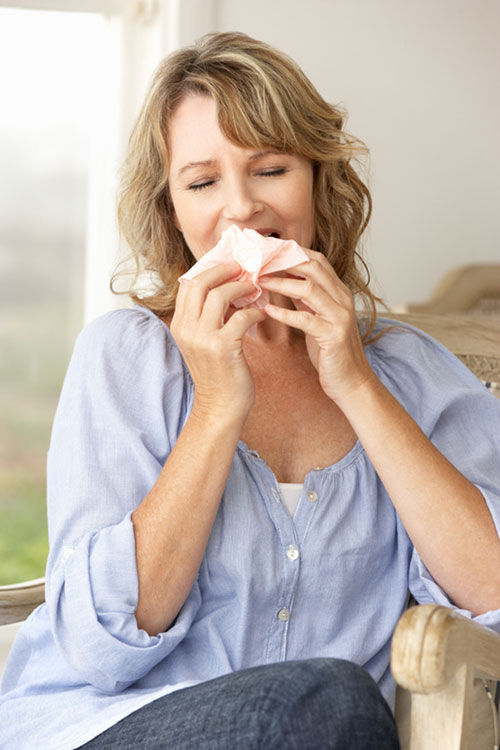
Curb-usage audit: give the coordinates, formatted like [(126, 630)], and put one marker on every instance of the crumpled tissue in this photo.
[(257, 256)]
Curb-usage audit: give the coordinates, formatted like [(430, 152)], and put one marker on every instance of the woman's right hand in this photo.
[(172, 525), (211, 344)]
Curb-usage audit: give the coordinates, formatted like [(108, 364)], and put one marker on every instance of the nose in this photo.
[(240, 202)]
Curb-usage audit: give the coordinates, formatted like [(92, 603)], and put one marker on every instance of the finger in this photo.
[(317, 257), (218, 300), (306, 291), (302, 319), (299, 305), (192, 292), (323, 273), (239, 323)]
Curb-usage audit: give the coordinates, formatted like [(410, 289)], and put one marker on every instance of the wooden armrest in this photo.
[(438, 655), (18, 600), (431, 642)]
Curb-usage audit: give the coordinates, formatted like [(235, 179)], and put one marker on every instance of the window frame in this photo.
[(140, 33)]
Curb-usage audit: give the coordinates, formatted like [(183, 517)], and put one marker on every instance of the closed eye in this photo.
[(201, 185), (272, 172), (263, 173)]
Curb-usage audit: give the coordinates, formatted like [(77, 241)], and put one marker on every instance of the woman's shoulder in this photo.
[(415, 366), (133, 339), (125, 374), (403, 344), (126, 325)]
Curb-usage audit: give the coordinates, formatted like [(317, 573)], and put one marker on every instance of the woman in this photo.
[(191, 598)]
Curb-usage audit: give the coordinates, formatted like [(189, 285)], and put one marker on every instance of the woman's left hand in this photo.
[(324, 311), (443, 513)]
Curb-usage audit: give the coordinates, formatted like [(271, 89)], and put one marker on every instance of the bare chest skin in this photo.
[(293, 425)]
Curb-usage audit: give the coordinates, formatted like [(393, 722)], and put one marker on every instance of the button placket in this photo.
[(286, 539)]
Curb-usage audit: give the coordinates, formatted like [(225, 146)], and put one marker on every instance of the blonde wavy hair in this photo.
[(263, 100)]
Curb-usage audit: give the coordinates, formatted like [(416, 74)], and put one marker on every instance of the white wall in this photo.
[(420, 81)]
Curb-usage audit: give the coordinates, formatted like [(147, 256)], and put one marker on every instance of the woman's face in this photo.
[(214, 183)]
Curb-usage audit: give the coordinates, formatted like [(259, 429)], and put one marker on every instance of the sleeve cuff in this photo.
[(94, 595), (426, 591)]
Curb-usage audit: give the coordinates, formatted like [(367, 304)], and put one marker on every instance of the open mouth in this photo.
[(270, 233)]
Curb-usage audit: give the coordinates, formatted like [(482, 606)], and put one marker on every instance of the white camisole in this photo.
[(291, 495)]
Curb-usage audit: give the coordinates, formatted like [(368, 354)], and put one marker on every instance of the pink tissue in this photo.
[(256, 255)]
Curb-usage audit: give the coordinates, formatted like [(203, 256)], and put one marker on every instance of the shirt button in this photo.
[(67, 552), (276, 495), (283, 614), (292, 552), (312, 496)]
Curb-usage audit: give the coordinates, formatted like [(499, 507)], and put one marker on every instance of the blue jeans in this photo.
[(314, 704)]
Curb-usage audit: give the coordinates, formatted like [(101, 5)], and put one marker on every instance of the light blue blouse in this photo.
[(333, 581)]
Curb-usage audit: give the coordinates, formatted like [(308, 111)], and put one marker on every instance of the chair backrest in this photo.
[(473, 339), (472, 289)]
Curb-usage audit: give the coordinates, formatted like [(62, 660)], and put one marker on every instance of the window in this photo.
[(47, 92), (74, 73)]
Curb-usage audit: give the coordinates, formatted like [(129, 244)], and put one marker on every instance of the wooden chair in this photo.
[(471, 289), (446, 666), (472, 338), (18, 600)]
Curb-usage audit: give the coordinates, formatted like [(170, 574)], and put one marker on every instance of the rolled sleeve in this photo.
[(94, 596), (467, 432), (460, 417), (122, 406), (426, 591)]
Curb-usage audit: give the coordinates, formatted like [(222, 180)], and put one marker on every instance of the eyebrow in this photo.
[(212, 162)]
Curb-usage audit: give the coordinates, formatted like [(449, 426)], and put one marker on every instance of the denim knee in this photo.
[(316, 704), (326, 703)]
